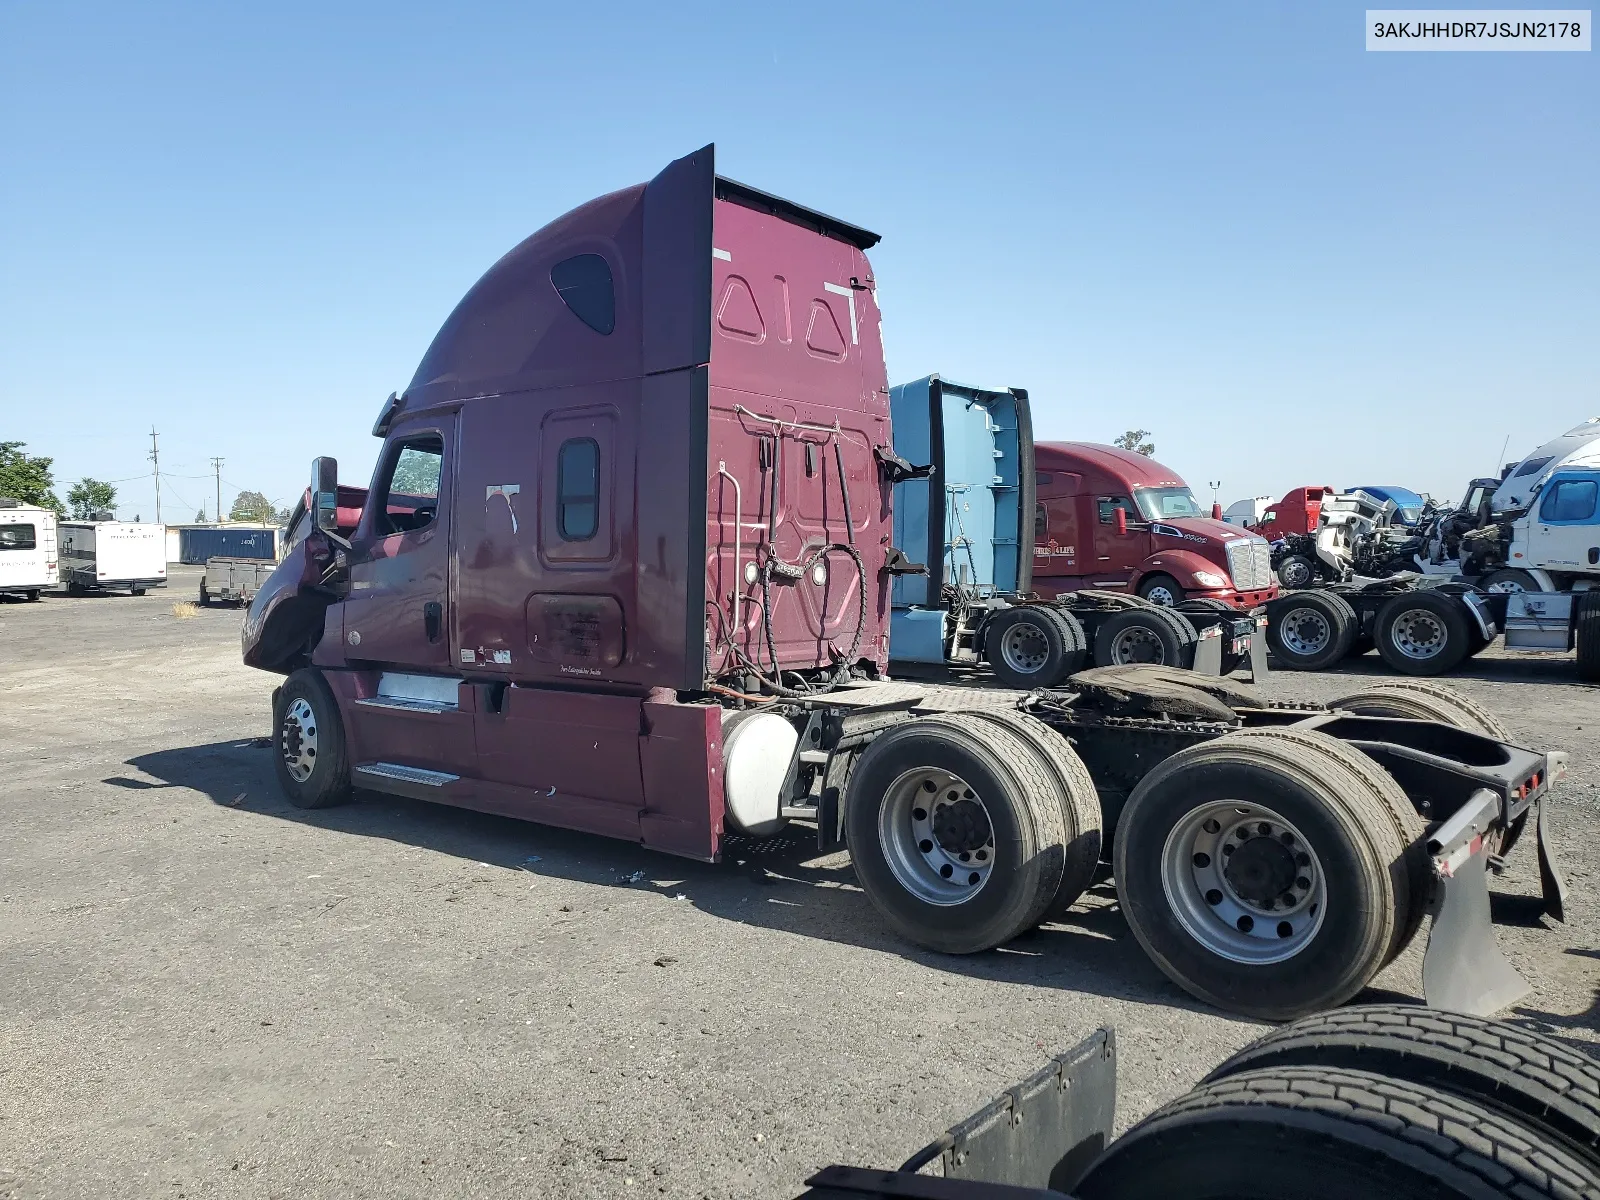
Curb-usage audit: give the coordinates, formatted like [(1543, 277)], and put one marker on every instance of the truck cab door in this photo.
[(397, 613), (1114, 556), (1563, 532)]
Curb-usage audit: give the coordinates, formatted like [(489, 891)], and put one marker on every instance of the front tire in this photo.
[(1264, 874), (1587, 637), (310, 752), (1296, 572), (1509, 579), (1162, 590), (955, 832)]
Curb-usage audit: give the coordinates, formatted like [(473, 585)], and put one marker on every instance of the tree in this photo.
[(251, 506), (90, 495), (1130, 441), (25, 478)]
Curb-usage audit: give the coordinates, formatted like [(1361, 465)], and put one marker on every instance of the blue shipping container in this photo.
[(197, 545)]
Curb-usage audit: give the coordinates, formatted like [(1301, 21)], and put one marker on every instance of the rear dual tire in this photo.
[(966, 829), (1311, 631), (1034, 645), (1423, 633), (1148, 635), (1269, 873)]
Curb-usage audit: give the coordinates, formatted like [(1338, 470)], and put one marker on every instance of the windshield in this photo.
[(1163, 504)]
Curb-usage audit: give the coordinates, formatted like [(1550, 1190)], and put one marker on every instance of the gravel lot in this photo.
[(205, 992)]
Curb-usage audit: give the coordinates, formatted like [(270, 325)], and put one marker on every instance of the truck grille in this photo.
[(1250, 564)]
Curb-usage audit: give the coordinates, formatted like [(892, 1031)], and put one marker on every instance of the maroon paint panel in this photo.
[(797, 357), (435, 741), (681, 758)]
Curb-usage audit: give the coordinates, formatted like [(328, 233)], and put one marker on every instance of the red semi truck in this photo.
[(624, 567), (1112, 520)]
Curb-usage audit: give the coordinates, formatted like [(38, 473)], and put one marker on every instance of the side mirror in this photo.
[(325, 494), (1119, 520)]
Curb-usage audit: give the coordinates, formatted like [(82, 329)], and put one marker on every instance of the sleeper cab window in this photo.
[(578, 489), (584, 284), (411, 499), (1569, 500)]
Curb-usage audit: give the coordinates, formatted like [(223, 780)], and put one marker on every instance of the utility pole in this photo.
[(216, 465), (155, 459)]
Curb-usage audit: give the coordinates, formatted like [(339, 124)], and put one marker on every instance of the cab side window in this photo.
[(1569, 500), (1107, 506), (408, 492), (578, 489), (1041, 523)]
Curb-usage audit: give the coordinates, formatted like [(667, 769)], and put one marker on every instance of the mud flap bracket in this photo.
[(1464, 969)]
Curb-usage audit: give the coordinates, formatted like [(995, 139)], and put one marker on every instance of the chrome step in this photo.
[(407, 704), (404, 774)]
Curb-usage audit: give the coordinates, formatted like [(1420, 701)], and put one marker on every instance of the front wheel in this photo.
[(33, 595), (1296, 572), (1162, 590), (1509, 580), (309, 748)]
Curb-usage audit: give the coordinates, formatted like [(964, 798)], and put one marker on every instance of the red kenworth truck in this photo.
[(1112, 520), (624, 566)]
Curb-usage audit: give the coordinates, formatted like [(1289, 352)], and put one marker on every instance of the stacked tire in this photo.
[(1386, 1100)]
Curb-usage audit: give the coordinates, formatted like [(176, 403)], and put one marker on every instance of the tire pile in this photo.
[(1391, 1101)]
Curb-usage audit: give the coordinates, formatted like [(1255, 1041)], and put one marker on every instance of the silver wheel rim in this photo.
[(299, 741), (1305, 631), (1024, 648), (1137, 644), (1419, 634), (1296, 574), (1506, 585), (936, 836), (1244, 882), (1161, 594)]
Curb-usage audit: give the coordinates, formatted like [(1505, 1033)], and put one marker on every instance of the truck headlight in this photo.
[(1210, 579)]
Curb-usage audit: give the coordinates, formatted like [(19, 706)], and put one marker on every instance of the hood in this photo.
[(1199, 529)]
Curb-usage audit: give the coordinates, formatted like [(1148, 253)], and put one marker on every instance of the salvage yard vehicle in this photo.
[(605, 579), (1113, 520), (969, 513), (99, 554), (1422, 626), (1378, 1100), (27, 549)]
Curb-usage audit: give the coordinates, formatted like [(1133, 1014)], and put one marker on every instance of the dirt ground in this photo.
[(206, 992)]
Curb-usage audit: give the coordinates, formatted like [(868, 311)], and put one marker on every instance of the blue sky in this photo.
[(1295, 261)]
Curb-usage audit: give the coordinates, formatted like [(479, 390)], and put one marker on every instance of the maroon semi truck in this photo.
[(1163, 546), (624, 567)]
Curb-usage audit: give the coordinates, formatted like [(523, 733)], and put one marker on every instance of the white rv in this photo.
[(27, 549), (107, 554)]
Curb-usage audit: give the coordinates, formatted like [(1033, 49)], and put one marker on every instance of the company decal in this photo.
[(1053, 549), (1174, 532)]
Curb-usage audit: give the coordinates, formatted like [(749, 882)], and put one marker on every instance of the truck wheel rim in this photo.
[(1137, 644), (1296, 574), (1024, 648), (1161, 594), (299, 743), (1305, 631), (936, 836), (1510, 586), (1419, 634), (1244, 882)]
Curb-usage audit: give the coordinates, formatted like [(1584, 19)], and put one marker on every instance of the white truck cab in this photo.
[(1559, 537)]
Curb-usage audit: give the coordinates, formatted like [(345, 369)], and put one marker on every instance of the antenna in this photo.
[(1499, 463), (216, 465), (155, 459)]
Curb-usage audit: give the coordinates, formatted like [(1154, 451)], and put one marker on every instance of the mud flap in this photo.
[(1552, 883), (1208, 651), (1464, 970), (1258, 651), (1043, 1133)]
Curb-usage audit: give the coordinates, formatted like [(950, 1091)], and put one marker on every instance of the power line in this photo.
[(155, 459)]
